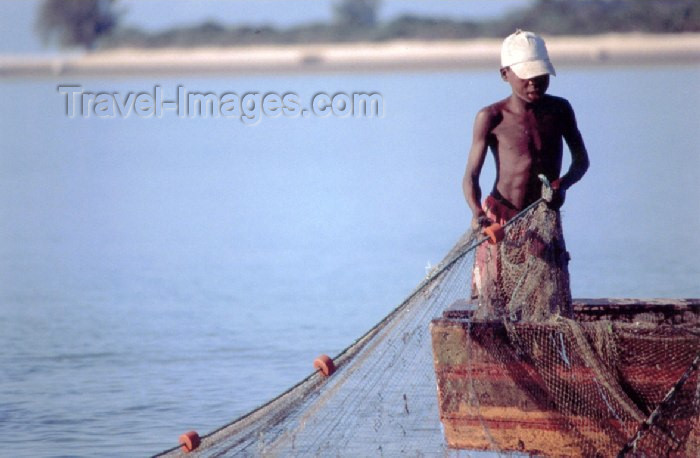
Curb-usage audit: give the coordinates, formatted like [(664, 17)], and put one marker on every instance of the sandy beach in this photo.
[(609, 49)]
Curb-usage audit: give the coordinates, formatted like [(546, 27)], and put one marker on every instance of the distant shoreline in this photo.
[(608, 49)]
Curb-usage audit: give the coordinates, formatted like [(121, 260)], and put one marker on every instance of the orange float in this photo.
[(494, 233), (190, 441), (325, 365)]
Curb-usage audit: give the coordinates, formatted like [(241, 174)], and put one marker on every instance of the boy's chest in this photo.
[(528, 130)]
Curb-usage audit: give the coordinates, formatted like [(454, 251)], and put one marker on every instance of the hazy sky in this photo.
[(17, 17)]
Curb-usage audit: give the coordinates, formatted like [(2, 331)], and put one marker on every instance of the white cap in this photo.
[(526, 54)]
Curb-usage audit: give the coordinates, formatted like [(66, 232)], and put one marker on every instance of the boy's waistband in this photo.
[(498, 208), (499, 197)]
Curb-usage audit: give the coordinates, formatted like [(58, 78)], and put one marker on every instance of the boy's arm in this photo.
[(579, 155), (477, 155)]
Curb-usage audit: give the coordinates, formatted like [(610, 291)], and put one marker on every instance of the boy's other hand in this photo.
[(481, 221), (558, 196), (558, 199)]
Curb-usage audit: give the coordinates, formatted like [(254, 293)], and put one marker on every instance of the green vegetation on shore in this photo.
[(82, 22)]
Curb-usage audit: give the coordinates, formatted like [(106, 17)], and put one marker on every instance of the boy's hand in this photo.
[(481, 220), (559, 195)]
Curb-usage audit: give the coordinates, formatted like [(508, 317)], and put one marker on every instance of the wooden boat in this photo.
[(580, 388)]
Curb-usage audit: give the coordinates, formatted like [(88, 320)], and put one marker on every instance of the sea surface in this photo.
[(171, 273)]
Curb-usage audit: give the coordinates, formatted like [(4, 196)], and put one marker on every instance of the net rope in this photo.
[(382, 399)]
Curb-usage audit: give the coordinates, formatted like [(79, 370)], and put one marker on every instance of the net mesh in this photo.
[(520, 367), (573, 389), (525, 276)]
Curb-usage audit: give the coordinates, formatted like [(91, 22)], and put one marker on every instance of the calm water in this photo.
[(160, 275)]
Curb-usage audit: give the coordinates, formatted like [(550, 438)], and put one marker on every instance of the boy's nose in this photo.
[(537, 80)]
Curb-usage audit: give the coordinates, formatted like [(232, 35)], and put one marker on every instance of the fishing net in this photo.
[(569, 389), (525, 277), (381, 400), (526, 372), (518, 369)]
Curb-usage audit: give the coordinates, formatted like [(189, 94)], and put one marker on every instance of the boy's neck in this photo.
[(518, 105)]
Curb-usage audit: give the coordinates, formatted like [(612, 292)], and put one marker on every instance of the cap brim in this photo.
[(527, 70)]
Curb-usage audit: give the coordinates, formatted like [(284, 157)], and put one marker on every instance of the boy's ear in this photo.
[(504, 72)]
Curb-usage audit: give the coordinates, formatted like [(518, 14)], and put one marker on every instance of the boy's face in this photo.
[(530, 90)]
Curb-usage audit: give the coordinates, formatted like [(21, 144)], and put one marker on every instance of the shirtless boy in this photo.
[(525, 133)]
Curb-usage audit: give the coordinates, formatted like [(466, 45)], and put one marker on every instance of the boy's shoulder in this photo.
[(491, 114), (556, 102), (495, 108), (558, 107)]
